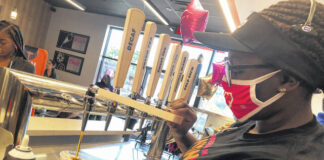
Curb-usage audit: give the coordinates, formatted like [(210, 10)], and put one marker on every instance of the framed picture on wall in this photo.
[(73, 42), (68, 63)]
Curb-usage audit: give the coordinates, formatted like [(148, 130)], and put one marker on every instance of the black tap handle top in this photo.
[(91, 93)]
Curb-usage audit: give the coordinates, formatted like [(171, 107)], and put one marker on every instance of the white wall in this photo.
[(93, 25), (246, 7), (317, 102)]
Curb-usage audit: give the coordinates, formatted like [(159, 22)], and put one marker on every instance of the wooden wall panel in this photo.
[(33, 19)]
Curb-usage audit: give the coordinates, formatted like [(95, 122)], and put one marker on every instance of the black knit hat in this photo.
[(14, 32)]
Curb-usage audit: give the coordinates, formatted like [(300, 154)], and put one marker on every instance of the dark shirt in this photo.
[(105, 85), (302, 143), (53, 74), (21, 64)]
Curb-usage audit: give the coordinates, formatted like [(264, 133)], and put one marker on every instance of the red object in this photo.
[(9, 106), (211, 141), (193, 19), (238, 98), (218, 73), (33, 112), (40, 61), (178, 31)]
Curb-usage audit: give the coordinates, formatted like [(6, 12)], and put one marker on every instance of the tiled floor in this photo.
[(117, 151), (120, 151)]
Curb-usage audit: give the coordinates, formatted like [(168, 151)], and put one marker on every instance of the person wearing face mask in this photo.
[(276, 62), (12, 53)]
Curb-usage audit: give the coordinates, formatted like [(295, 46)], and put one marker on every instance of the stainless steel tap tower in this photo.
[(20, 91), (15, 105)]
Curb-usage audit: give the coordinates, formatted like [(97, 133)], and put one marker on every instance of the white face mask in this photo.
[(241, 97)]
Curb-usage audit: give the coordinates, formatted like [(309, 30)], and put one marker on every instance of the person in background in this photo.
[(105, 82), (12, 53), (275, 64), (50, 69)]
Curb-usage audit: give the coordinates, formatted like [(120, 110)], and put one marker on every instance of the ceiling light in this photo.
[(77, 4), (228, 15), (14, 14), (155, 12)]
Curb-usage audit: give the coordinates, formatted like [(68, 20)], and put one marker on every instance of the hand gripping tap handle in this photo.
[(159, 137)]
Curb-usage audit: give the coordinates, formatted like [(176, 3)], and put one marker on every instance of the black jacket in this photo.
[(53, 75), (21, 64), (236, 143)]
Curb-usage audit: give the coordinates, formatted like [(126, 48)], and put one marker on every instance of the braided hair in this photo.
[(14, 32), (285, 16)]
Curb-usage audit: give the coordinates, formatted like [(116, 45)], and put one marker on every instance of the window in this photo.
[(217, 103), (194, 52), (110, 57)]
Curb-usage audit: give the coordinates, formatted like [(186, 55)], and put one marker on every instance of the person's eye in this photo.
[(4, 41)]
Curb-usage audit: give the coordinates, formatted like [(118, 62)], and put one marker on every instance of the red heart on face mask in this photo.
[(229, 98), (193, 19)]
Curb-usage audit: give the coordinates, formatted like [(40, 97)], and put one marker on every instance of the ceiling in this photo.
[(171, 9)]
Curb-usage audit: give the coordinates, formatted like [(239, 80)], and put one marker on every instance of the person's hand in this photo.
[(181, 108)]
